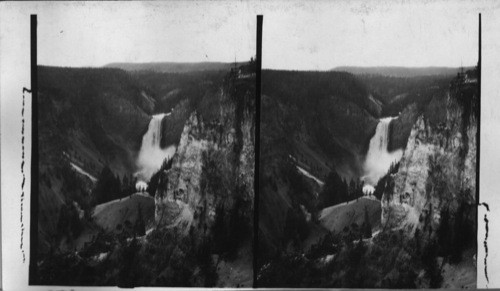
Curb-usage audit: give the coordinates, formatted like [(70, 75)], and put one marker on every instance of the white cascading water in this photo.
[(379, 159), (151, 155)]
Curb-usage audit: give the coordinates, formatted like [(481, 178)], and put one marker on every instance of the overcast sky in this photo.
[(297, 35), (385, 33), (94, 34)]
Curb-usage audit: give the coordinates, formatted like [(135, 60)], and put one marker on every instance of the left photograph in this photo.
[(146, 122)]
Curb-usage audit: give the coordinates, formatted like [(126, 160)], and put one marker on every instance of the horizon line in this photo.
[(370, 66), (146, 62)]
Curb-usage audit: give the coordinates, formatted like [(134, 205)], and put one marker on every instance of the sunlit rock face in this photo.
[(213, 167), (437, 170), (183, 187)]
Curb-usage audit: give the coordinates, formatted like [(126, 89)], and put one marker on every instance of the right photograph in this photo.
[(369, 148)]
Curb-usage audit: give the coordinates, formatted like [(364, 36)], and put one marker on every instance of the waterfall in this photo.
[(379, 159), (151, 155)]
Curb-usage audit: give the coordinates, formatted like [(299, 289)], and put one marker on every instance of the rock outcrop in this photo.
[(438, 168), (213, 169)]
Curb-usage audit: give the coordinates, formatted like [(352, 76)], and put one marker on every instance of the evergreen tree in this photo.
[(107, 187), (125, 183), (432, 270), (159, 179), (367, 227), (444, 232), (352, 188), (459, 235), (140, 226), (334, 191)]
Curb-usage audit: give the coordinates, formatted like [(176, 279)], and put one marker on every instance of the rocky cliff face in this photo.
[(211, 178), (438, 170)]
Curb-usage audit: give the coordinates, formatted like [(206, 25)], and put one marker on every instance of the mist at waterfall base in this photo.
[(151, 155), (379, 159)]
